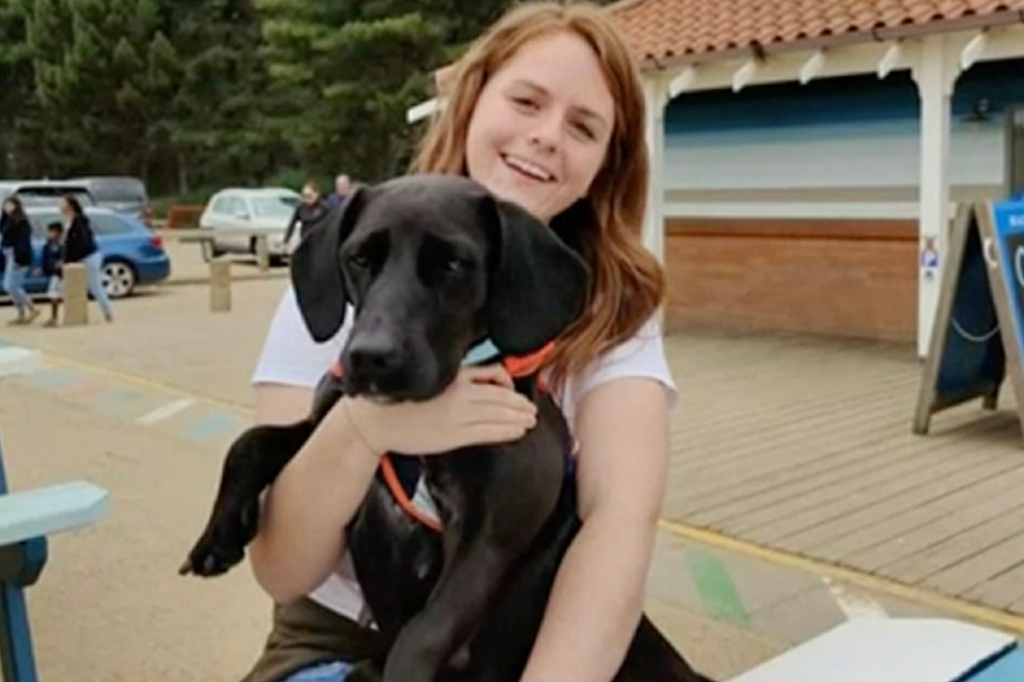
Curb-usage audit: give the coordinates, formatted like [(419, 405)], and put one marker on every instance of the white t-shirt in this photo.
[(290, 356)]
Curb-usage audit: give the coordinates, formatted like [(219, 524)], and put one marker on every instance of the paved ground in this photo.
[(145, 408)]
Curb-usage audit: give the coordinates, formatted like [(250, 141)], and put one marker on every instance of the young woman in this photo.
[(16, 245), (310, 209), (546, 110), (80, 246)]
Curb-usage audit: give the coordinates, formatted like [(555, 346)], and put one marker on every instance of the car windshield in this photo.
[(51, 196), (281, 206), (119, 190)]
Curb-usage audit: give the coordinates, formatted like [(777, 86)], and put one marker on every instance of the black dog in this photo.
[(434, 265)]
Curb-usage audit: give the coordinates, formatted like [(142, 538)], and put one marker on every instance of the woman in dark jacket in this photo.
[(312, 209), (80, 247), (16, 244)]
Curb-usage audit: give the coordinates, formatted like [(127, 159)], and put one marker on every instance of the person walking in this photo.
[(80, 247), (309, 211), (16, 245)]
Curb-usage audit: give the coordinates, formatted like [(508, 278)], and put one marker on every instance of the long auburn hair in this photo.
[(627, 281)]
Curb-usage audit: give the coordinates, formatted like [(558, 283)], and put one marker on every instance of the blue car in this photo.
[(132, 253)]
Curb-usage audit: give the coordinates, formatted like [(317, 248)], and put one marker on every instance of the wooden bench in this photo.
[(27, 518), (183, 216), (206, 238), (898, 650)]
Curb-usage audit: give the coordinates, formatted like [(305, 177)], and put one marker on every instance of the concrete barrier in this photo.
[(220, 285), (262, 252), (76, 295)]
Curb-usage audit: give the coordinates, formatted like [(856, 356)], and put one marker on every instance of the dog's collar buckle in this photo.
[(481, 353), (521, 366)]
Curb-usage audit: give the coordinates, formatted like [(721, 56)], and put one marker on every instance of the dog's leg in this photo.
[(253, 462), (464, 592)]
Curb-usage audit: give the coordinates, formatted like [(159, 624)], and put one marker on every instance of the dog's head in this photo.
[(432, 264)]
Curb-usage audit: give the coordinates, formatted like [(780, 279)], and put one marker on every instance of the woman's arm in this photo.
[(292, 223), (597, 598), (301, 534)]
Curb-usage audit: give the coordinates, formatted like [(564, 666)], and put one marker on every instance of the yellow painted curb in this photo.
[(144, 382), (978, 613)]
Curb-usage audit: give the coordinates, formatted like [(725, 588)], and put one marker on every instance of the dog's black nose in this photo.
[(371, 359)]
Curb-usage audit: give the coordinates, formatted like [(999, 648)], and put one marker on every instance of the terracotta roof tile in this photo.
[(664, 29)]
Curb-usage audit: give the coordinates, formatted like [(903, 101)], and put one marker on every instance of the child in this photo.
[(53, 261)]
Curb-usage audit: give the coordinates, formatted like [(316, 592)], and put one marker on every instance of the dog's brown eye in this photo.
[(359, 260)]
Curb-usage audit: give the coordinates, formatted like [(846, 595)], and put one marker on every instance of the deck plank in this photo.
[(805, 444)]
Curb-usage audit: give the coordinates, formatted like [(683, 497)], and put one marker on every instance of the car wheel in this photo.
[(118, 278)]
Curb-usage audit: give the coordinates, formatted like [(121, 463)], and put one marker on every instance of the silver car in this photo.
[(266, 210)]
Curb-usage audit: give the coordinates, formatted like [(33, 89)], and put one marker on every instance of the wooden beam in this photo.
[(683, 82), (890, 59), (745, 74), (812, 67), (973, 50)]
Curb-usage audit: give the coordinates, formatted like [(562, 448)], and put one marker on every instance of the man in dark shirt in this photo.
[(342, 188)]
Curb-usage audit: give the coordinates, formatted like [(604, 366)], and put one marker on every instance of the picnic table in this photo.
[(27, 518), (206, 237), (872, 649)]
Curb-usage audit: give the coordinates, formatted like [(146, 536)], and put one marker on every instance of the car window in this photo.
[(221, 205), (107, 224), (124, 190), (39, 222), (51, 196), (101, 224), (238, 207), (272, 207)]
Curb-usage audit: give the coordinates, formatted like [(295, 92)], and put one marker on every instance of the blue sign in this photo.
[(972, 360), (980, 320), (1008, 224)]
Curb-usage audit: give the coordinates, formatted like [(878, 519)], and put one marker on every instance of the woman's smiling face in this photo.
[(541, 126)]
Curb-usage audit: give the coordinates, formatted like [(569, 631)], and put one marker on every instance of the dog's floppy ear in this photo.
[(316, 268), (539, 284)]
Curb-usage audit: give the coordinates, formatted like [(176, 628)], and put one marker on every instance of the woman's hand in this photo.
[(480, 406)]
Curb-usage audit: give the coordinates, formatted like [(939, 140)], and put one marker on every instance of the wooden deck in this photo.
[(805, 445)]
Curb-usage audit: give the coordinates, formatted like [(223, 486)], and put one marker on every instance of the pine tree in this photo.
[(16, 85), (216, 126), (98, 65)]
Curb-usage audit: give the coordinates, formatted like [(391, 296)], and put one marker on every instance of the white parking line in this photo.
[(15, 360), (164, 411), (852, 602)]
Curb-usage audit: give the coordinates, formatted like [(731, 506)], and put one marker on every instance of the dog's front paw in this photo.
[(222, 544)]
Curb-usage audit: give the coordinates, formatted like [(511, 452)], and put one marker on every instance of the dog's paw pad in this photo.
[(222, 545), (208, 559)]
